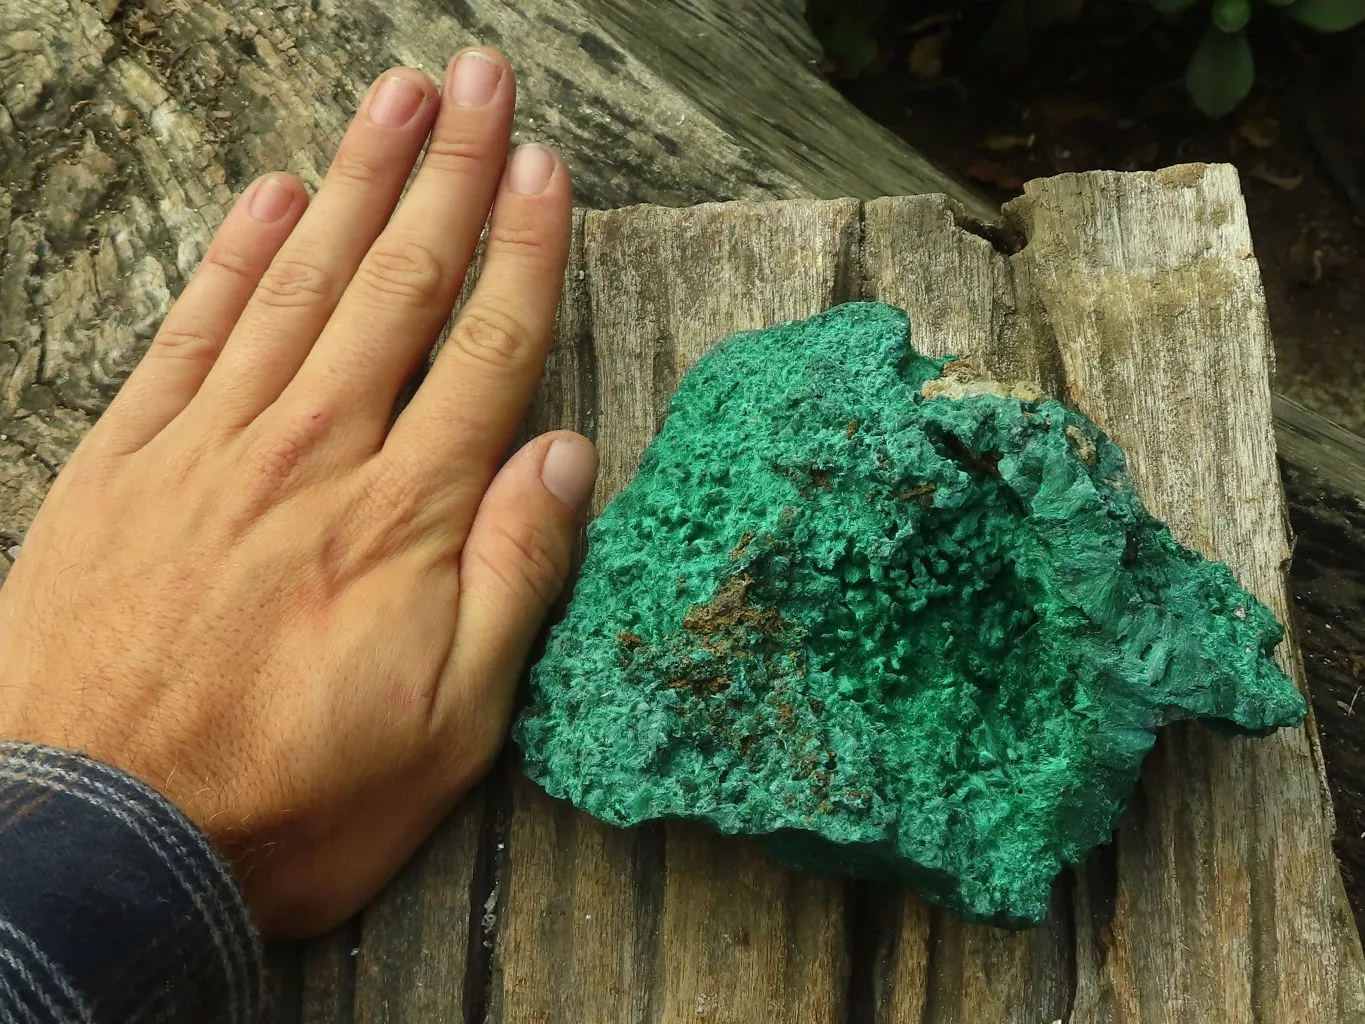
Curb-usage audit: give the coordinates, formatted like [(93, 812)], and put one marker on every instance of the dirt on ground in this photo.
[(1107, 90)]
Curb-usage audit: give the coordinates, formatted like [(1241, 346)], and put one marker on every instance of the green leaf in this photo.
[(852, 46), (1231, 15), (1172, 6), (1328, 15), (1280, 3), (1220, 72)]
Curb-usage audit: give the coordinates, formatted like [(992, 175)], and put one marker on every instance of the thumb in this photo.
[(517, 557)]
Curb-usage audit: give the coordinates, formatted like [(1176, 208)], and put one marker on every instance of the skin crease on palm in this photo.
[(299, 618)]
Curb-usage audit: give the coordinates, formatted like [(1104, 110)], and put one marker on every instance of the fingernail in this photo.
[(271, 200), (475, 79), (395, 102), (531, 168), (570, 470)]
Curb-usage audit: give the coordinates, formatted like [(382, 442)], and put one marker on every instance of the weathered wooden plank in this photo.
[(739, 938), (283, 982), (328, 977), (574, 931), (568, 885), (1141, 291), (1155, 302), (918, 255), (603, 925), (900, 977), (959, 293), (413, 956)]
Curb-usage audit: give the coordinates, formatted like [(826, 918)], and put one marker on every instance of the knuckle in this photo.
[(394, 506), (525, 559), (405, 268), (274, 462), (187, 343), (295, 282), (283, 441), (230, 263), (456, 152), (488, 337), (393, 494), (518, 240), (357, 167)]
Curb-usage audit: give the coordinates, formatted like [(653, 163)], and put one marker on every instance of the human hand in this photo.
[(299, 618)]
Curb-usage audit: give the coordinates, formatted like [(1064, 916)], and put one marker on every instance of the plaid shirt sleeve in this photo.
[(114, 907)]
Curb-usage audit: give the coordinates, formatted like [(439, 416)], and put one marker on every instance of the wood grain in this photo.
[(1142, 306), (413, 958), (327, 995), (575, 932), (959, 293), (736, 934)]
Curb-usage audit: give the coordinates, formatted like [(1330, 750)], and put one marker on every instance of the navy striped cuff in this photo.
[(114, 907)]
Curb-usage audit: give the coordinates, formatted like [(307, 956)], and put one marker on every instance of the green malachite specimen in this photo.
[(893, 619)]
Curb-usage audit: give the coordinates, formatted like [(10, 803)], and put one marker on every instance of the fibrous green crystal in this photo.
[(893, 619)]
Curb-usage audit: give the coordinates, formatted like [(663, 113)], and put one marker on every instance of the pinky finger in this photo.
[(198, 325)]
